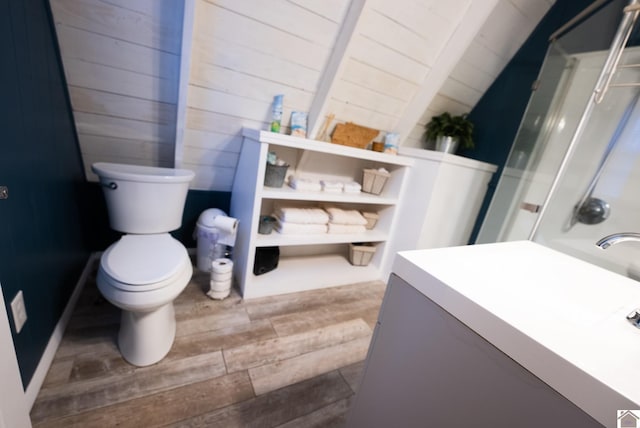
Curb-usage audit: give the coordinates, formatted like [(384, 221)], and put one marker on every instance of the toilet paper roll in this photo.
[(226, 228), (225, 224), (217, 276), (218, 295), (220, 285), (220, 266)]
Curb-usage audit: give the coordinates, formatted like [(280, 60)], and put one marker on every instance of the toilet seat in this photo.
[(139, 263)]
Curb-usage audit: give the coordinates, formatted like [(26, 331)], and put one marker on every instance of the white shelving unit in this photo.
[(310, 261)]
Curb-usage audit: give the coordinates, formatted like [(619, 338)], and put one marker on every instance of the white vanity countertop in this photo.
[(559, 317)]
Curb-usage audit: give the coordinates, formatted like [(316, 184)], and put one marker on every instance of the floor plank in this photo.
[(165, 407), (273, 306), (279, 407), (59, 372), (134, 382), (352, 374), (272, 376), (222, 338), (332, 416), (270, 351), (332, 313), (212, 321)]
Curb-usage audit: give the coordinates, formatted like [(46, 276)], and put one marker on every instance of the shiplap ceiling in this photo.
[(172, 82)]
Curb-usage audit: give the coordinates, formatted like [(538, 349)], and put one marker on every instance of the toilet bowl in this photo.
[(146, 269), (142, 275)]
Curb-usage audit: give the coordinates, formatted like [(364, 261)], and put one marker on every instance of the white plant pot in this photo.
[(447, 144)]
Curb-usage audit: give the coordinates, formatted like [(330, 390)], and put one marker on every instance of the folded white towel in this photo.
[(302, 215), (300, 229), (340, 216), (352, 187), (332, 185), (305, 184), (351, 191), (346, 228)]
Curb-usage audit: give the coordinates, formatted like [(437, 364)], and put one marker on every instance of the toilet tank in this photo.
[(143, 199)]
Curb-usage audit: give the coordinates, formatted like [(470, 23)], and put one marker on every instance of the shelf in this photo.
[(306, 273), (277, 239), (311, 261), (324, 147), (288, 193)]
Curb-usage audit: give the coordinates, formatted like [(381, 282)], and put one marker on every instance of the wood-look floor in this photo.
[(282, 361)]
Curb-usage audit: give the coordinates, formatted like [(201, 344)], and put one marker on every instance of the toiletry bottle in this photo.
[(276, 117), (272, 158)]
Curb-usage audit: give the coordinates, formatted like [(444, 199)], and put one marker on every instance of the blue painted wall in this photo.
[(42, 245), (498, 113)]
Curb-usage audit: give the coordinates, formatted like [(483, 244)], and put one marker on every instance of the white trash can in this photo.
[(207, 235)]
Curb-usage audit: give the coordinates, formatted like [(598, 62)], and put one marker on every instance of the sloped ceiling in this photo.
[(173, 82)]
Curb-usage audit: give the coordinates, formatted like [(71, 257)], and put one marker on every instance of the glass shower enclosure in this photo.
[(573, 174)]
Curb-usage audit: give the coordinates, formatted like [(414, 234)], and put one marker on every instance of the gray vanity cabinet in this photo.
[(427, 369)]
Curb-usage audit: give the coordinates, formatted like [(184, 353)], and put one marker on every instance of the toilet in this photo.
[(146, 269)]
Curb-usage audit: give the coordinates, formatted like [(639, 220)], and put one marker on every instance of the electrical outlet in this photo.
[(19, 311)]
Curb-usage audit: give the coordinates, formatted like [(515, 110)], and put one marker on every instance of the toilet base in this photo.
[(146, 337)]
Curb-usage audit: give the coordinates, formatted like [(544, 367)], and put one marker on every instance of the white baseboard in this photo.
[(54, 342)]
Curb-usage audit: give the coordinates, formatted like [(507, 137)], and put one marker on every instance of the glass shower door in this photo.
[(582, 176), (566, 82), (535, 156), (614, 125)]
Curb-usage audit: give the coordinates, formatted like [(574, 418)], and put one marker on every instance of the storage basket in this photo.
[(274, 175), (361, 254), (373, 180), (372, 219)]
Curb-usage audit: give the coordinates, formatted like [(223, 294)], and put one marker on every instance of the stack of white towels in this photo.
[(340, 186), (306, 221), (301, 221), (304, 184), (329, 186), (345, 221)]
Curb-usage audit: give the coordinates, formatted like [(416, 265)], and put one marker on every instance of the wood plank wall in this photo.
[(243, 54), (507, 28), (121, 61), (392, 52)]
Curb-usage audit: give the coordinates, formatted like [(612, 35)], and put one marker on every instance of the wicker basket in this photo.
[(361, 254), (372, 219), (373, 180)]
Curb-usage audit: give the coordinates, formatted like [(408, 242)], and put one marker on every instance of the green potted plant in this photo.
[(449, 132)]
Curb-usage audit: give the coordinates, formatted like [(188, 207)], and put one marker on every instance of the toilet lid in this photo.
[(143, 259)]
